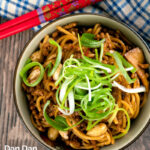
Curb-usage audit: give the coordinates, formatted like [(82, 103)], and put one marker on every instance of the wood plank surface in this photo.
[(12, 130)]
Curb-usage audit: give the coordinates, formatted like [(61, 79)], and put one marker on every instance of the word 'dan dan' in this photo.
[(24, 147)]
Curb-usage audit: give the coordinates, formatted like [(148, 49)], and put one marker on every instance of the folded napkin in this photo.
[(135, 13)]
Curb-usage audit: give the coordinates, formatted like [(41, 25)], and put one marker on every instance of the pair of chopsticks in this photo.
[(41, 15)]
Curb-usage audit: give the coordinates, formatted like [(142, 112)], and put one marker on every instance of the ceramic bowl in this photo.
[(137, 126)]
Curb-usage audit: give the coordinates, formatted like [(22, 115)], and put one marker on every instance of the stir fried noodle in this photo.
[(84, 85)]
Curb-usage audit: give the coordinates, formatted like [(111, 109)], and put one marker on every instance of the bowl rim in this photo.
[(26, 45)]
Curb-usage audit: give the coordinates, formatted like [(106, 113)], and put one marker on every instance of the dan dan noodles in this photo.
[(84, 85)]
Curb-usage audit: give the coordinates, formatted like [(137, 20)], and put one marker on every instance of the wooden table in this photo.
[(12, 130)]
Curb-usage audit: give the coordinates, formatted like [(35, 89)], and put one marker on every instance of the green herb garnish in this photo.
[(87, 40), (58, 59), (26, 68)]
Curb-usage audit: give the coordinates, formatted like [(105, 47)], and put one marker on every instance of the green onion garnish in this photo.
[(96, 54), (87, 40), (119, 62), (23, 73), (58, 59), (59, 123), (48, 68), (128, 124), (101, 52)]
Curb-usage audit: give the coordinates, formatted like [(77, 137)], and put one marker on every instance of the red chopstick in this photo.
[(41, 15), (34, 13)]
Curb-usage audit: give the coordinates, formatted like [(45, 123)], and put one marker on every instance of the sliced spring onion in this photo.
[(71, 104), (59, 80), (114, 114), (128, 125), (129, 66), (115, 76), (108, 68), (102, 67), (87, 40), (80, 45), (57, 97), (71, 61), (96, 54), (59, 123), (68, 91), (129, 69), (75, 124), (28, 61), (23, 73), (58, 59), (48, 68), (134, 90), (108, 76), (66, 67), (100, 107), (90, 125), (89, 87), (70, 66), (64, 89), (101, 52), (118, 60)]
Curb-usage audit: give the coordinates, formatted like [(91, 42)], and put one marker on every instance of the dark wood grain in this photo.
[(12, 130)]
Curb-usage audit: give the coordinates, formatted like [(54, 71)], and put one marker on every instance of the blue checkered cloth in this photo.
[(135, 13)]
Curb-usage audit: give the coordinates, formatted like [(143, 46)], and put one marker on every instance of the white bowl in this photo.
[(137, 126)]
